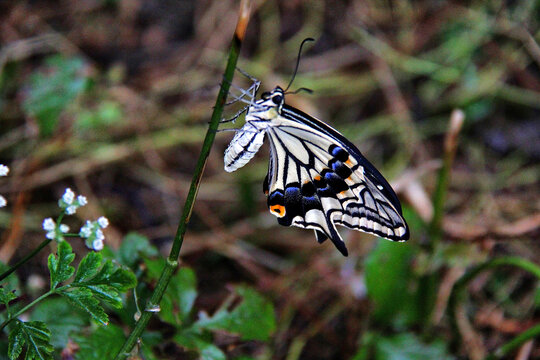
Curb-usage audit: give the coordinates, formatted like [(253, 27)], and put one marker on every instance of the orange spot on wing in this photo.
[(349, 162), (278, 210), (317, 178)]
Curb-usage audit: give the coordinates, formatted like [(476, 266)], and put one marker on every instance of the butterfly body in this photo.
[(316, 179)]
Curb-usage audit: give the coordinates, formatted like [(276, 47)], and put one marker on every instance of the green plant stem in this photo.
[(21, 262), (24, 309), (172, 262), (34, 252), (522, 338), (461, 285)]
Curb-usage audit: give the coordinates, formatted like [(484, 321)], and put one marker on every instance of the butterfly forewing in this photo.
[(316, 178)]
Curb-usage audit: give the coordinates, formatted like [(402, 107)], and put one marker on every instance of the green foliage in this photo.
[(52, 90), (252, 319), (6, 296), (94, 282), (408, 347), (388, 275), (32, 335), (59, 267), (179, 297), (61, 318), (103, 343), (107, 114), (134, 247)]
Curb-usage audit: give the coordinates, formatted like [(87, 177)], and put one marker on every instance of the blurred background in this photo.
[(113, 97)]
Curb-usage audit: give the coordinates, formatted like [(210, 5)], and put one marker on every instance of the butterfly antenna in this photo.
[(298, 61), (309, 91)]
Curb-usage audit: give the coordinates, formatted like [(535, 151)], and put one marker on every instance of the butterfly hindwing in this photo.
[(316, 178)]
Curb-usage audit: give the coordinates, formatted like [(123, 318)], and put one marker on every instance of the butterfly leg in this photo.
[(235, 116)]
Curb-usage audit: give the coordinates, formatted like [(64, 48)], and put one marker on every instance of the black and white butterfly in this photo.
[(316, 179)]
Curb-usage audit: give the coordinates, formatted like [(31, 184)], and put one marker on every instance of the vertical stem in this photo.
[(450, 145), (172, 262)]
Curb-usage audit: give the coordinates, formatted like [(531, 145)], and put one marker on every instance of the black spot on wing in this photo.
[(340, 168), (336, 183), (308, 189), (338, 153), (293, 204)]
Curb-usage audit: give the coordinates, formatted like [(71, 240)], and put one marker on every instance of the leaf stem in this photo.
[(21, 262), (24, 309), (172, 260)]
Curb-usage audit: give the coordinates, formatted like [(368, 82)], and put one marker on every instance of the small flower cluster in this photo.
[(69, 203), (91, 231), (4, 170), (54, 232)]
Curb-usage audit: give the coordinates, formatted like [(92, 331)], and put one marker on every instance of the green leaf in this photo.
[(408, 347), (179, 296), (88, 267), (84, 299), (252, 319), (6, 296), (59, 267), (118, 278), (33, 335), (61, 318), (388, 277), (133, 247), (52, 90), (193, 341), (106, 115), (103, 343)]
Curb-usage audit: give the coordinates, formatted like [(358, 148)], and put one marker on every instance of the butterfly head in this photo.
[(274, 98)]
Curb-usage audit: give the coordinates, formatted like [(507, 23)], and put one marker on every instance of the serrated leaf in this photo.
[(115, 277), (103, 343), (408, 347), (133, 247), (252, 319), (59, 267), (61, 318), (6, 296), (85, 300), (33, 335), (88, 267)]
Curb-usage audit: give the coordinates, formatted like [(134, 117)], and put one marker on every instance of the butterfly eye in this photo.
[(265, 95), (277, 99)]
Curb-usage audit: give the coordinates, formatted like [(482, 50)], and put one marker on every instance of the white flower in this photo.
[(70, 210), (4, 170), (103, 222), (68, 196), (3, 201), (99, 234), (48, 224), (51, 235), (81, 199), (97, 244), (63, 228), (86, 230)]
